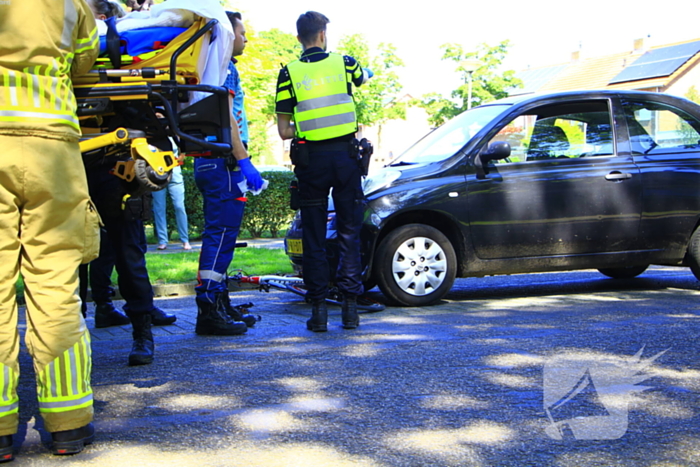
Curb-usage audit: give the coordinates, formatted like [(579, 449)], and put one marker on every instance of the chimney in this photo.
[(640, 45), (575, 56)]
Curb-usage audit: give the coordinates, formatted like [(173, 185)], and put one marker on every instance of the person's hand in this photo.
[(369, 72), (251, 174)]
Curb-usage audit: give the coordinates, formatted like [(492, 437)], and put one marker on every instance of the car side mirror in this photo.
[(495, 151)]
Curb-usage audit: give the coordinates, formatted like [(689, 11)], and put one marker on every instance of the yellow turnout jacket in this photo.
[(42, 44)]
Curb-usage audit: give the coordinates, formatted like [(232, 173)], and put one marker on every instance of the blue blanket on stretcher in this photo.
[(140, 41)]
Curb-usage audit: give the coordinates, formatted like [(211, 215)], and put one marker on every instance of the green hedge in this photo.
[(267, 212)]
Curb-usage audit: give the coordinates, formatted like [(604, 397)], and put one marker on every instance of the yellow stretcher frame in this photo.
[(142, 81)]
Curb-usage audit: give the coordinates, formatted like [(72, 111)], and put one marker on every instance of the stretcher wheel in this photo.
[(149, 178)]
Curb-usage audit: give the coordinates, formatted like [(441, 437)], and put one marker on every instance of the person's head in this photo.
[(239, 40), (311, 29), (103, 9), (139, 5)]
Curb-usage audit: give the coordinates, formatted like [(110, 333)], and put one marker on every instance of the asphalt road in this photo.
[(462, 383)]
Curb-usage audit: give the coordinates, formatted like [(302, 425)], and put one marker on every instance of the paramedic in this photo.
[(223, 211), (315, 91), (49, 225)]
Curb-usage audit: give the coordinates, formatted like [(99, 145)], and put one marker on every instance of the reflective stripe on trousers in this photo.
[(64, 384), (9, 402)]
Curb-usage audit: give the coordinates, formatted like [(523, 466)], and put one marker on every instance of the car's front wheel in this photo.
[(694, 253), (416, 265), (623, 273)]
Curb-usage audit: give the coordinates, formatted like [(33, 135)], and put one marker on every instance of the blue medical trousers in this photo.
[(223, 211), (331, 167)]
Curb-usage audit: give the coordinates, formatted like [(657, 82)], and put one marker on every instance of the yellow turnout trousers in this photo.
[(48, 226)]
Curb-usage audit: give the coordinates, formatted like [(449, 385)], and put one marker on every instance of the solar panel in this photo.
[(658, 62)]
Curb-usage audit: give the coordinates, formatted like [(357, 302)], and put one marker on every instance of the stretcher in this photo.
[(133, 107)]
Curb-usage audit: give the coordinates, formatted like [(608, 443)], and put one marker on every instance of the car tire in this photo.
[(369, 285), (406, 275), (623, 273), (694, 253)]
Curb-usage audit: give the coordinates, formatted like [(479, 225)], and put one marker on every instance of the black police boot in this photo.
[(319, 317), (161, 318), (212, 319), (72, 441), (106, 315), (143, 348), (6, 453), (351, 320), (236, 312)]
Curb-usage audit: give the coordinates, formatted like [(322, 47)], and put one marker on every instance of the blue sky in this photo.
[(542, 32)]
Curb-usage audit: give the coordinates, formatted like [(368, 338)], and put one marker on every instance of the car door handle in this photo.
[(617, 176)]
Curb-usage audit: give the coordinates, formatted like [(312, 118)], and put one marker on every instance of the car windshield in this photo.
[(446, 140)]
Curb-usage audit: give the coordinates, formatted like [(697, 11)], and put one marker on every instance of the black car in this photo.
[(608, 180)]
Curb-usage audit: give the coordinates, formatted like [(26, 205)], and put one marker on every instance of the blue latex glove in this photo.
[(251, 174), (370, 73)]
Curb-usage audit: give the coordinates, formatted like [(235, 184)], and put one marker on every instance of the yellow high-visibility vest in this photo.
[(324, 108)]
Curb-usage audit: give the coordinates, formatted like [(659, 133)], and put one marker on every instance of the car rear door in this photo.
[(565, 190)]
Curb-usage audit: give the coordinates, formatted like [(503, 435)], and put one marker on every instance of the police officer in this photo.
[(316, 93), (49, 225), (218, 181)]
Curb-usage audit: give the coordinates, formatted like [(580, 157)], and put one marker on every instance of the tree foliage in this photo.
[(259, 66), (374, 100), (693, 94), (488, 83)]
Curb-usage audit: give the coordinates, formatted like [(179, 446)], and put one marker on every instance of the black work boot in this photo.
[(319, 317), (106, 315), (161, 318), (143, 348), (72, 441), (351, 320), (236, 312), (6, 452), (212, 319)]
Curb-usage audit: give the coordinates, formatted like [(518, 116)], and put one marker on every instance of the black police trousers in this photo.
[(125, 237), (331, 169)]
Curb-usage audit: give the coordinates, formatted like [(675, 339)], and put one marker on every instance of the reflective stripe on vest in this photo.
[(9, 402), (324, 109), (64, 384)]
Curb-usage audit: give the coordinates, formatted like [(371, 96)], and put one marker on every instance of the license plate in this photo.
[(294, 246)]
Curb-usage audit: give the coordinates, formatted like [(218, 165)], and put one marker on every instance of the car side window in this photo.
[(657, 128), (562, 131)]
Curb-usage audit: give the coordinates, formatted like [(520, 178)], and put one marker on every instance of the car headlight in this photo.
[(379, 180)]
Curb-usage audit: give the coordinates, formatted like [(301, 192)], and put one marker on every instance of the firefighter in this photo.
[(316, 93), (49, 225)]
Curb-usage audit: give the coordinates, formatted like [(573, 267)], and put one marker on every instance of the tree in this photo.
[(487, 83), (259, 66), (693, 94), (374, 99)]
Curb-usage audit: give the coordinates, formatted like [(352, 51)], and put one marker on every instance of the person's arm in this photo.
[(240, 153), (87, 45), (358, 75), (284, 105), (285, 127)]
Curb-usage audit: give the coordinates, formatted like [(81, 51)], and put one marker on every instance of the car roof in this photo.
[(603, 93)]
